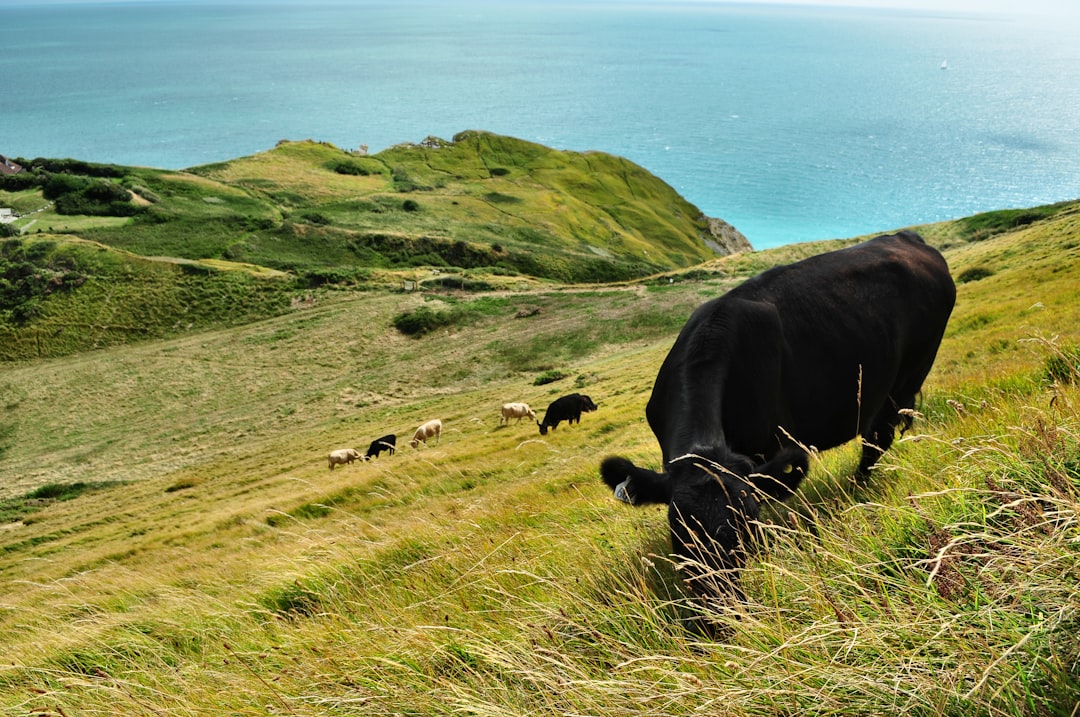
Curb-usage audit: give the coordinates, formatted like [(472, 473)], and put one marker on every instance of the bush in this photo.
[(424, 319), (500, 198), (421, 321), (332, 276), (59, 491), (21, 181), (58, 185), (315, 218), (410, 205), (345, 166), (550, 377), (975, 273), (73, 194), (76, 167)]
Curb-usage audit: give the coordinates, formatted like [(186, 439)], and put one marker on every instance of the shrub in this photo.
[(315, 218), (410, 205), (58, 185), (346, 166), (421, 321), (424, 319), (975, 273), (500, 198), (550, 376), (72, 194), (332, 276), (21, 181), (59, 491)]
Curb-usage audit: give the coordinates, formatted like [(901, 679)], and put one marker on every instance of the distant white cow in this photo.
[(426, 431), (516, 410), (342, 456)]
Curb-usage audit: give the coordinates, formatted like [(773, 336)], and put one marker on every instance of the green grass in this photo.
[(481, 200), (482, 209), (493, 573)]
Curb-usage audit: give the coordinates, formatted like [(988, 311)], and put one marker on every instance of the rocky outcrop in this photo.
[(725, 239)]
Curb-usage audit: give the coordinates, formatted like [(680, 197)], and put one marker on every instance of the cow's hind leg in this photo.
[(882, 432)]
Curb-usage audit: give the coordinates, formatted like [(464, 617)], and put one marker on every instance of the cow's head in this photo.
[(713, 498), (543, 428)]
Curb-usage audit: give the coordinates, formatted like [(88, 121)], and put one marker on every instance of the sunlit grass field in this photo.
[(207, 561)]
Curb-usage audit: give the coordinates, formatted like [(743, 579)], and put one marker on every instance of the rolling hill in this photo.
[(163, 253)]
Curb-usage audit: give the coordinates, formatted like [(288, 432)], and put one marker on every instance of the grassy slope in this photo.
[(546, 212), (492, 210), (231, 572)]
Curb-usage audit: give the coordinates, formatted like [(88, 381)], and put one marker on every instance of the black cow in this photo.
[(386, 443), (567, 408), (810, 354)]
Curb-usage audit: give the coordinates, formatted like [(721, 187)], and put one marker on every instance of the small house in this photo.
[(9, 167)]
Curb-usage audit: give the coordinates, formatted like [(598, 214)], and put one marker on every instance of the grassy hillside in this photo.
[(104, 255), (481, 200), (172, 542)]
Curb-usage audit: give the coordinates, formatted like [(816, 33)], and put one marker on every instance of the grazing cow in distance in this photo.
[(386, 443), (566, 408), (811, 354), (516, 410), (342, 456), (426, 431)]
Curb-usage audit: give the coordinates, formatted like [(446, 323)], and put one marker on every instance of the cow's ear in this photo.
[(636, 486), (780, 477)]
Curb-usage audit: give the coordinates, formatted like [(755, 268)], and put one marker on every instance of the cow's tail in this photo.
[(634, 485)]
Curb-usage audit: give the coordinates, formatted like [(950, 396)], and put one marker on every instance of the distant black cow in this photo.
[(386, 443), (567, 408), (810, 354)]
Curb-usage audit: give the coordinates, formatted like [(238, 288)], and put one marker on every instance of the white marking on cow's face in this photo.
[(623, 493)]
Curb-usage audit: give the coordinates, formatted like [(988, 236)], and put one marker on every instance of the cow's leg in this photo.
[(882, 432)]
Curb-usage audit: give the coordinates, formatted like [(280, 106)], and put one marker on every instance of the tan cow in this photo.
[(342, 456), (426, 431), (516, 410)]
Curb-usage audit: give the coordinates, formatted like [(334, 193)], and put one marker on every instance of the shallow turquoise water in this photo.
[(792, 124)]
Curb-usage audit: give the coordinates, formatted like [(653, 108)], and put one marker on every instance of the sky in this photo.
[(1018, 8), (1014, 7)]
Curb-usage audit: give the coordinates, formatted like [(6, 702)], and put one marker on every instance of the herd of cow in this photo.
[(800, 358), (567, 408)]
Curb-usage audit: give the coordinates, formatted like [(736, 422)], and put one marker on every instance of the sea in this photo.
[(793, 123)]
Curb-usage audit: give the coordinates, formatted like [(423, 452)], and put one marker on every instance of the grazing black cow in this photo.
[(386, 443), (566, 408), (811, 354)]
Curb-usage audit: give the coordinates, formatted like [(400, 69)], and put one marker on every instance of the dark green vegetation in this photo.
[(22, 507)]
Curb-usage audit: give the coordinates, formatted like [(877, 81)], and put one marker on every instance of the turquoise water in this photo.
[(792, 124)]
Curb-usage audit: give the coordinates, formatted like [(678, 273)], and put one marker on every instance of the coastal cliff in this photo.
[(725, 239)]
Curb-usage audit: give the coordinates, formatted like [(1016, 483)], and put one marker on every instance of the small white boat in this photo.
[(944, 64)]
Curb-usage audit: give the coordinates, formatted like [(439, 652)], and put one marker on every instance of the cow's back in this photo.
[(815, 347)]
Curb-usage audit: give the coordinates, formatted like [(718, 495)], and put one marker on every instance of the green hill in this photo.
[(165, 253), (172, 542), (481, 200)]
